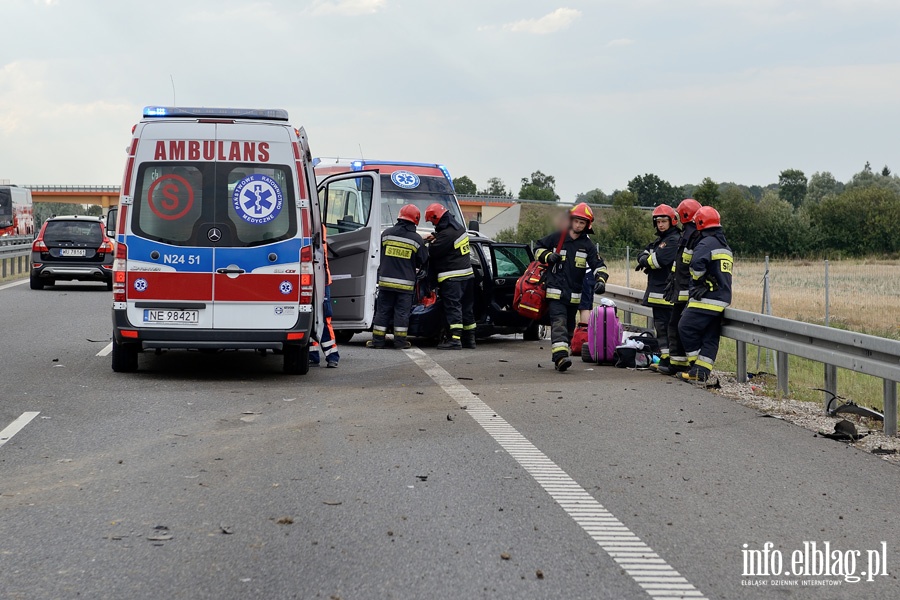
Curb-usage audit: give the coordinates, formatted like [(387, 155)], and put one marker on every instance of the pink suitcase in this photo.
[(604, 334)]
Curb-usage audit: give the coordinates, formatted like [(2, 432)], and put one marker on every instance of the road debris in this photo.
[(285, 521), (332, 502), (422, 477), (539, 574), (226, 529), (504, 555), (449, 418)]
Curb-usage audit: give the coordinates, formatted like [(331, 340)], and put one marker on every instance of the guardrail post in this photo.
[(781, 363), (741, 361), (830, 383), (890, 407), (3, 269)]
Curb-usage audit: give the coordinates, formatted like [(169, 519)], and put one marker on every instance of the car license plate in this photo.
[(72, 252), (190, 317)]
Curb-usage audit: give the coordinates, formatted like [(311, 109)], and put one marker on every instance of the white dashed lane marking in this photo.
[(106, 350), (16, 426), (657, 577), (13, 284)]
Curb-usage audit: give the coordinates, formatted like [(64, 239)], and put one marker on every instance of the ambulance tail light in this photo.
[(306, 275), (120, 265)]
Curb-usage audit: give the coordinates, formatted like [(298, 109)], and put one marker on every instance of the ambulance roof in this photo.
[(190, 112)]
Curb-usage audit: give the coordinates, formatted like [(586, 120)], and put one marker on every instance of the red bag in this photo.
[(579, 338), (530, 296)]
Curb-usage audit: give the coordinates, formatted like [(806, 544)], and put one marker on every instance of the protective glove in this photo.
[(670, 294), (644, 260), (600, 286), (421, 274), (698, 291), (552, 258)]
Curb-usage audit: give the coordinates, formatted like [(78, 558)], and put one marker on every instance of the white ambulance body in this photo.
[(219, 242)]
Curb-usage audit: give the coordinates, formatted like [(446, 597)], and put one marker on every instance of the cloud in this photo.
[(349, 8), (619, 42), (558, 20)]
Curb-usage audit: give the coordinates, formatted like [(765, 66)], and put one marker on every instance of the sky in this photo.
[(591, 92)]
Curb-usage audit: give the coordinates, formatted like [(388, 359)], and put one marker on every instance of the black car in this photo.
[(497, 267), (72, 248)]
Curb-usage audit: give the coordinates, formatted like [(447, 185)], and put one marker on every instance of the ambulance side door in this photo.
[(351, 214)]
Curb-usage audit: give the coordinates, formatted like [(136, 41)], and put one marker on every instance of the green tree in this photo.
[(792, 186), (496, 187), (626, 225), (861, 221), (595, 196), (535, 221), (707, 193), (538, 187), (886, 172), (464, 185), (821, 185), (45, 210), (650, 190)]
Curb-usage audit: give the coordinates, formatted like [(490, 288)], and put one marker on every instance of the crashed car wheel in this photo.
[(532, 332)]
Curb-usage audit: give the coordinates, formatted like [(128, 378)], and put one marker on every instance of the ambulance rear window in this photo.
[(249, 204)]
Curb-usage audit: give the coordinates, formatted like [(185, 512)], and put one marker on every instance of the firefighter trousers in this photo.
[(392, 307), (458, 298), (677, 355), (661, 317), (699, 330), (562, 326)]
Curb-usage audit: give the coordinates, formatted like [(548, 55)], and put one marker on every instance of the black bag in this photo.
[(627, 357), (651, 344)]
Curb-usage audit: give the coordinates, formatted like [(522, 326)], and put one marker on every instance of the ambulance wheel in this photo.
[(586, 354), (36, 283), (296, 359), (124, 357), (343, 336), (532, 333)]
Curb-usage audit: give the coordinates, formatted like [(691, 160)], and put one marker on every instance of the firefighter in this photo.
[(656, 261), (403, 253), (565, 278), (710, 292), (677, 286), (328, 342), (451, 264)]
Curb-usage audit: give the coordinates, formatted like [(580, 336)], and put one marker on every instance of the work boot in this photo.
[(561, 361), (671, 369), (468, 339), (400, 342), (331, 363), (662, 364), (695, 375), (450, 344), (375, 344)]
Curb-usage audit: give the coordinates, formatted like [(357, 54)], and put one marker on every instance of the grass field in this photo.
[(864, 297)]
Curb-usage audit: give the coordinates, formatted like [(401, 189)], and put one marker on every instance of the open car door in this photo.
[(509, 262), (351, 215)]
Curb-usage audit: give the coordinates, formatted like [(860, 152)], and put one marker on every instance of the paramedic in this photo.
[(329, 344)]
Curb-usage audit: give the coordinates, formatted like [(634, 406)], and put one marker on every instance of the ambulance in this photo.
[(219, 236), (354, 222)]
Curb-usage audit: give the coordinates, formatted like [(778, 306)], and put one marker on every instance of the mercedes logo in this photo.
[(214, 234)]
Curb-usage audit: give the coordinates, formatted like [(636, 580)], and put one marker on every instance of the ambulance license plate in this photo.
[(72, 252), (190, 317)]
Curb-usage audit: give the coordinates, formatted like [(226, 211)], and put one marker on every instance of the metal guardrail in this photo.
[(868, 354), (14, 240), (15, 258), (99, 189)]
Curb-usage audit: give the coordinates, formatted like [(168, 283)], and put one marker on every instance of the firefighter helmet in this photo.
[(706, 218), (409, 212), (664, 210), (584, 212), (686, 210), (434, 212)]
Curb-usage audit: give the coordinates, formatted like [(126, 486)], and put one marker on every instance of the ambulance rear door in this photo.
[(254, 230), (351, 213)]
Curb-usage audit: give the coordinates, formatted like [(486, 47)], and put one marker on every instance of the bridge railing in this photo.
[(868, 354), (96, 189)]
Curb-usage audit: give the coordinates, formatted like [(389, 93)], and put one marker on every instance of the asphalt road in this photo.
[(417, 474)]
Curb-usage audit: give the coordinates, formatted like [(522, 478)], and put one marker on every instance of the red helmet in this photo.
[(434, 212), (687, 209), (664, 210), (410, 213), (706, 218), (582, 211)]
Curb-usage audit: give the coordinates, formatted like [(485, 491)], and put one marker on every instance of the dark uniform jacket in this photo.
[(711, 265), (566, 279), (402, 252), (682, 266), (663, 251), (449, 251)]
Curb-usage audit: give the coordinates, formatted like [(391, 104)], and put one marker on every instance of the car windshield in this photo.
[(76, 232), (428, 191)]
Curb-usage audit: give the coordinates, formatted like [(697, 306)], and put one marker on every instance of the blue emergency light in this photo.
[(268, 114)]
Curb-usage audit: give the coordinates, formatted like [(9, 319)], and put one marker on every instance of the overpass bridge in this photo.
[(106, 196)]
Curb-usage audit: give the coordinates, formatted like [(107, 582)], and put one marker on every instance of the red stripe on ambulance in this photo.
[(162, 285), (257, 287)]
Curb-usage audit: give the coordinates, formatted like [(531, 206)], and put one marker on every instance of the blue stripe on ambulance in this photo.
[(184, 259), (250, 258)]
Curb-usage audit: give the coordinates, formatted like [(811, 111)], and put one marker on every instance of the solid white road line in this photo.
[(13, 284), (16, 426), (106, 350), (586, 511)]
